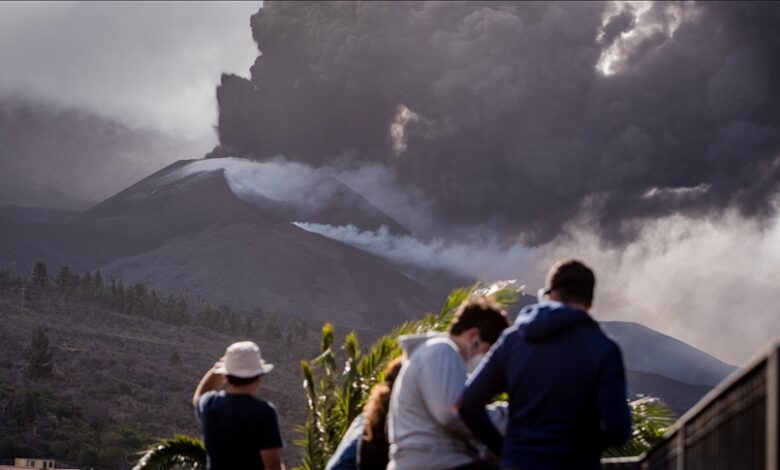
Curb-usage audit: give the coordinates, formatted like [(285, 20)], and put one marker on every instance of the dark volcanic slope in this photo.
[(280, 268), (677, 395), (136, 220), (188, 231)]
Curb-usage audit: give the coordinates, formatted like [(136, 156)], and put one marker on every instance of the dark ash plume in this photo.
[(524, 116)]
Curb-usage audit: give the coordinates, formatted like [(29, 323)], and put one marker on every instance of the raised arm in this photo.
[(483, 385), (212, 380)]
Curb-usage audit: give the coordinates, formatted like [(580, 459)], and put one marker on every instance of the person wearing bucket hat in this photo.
[(240, 430)]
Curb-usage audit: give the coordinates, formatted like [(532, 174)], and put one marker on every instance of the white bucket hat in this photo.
[(243, 360)]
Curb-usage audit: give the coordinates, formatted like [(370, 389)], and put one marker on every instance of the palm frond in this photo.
[(651, 418), (178, 453)]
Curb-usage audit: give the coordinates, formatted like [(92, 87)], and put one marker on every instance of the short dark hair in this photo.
[(481, 312), (572, 280), (241, 381)]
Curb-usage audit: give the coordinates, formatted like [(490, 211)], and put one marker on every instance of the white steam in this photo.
[(277, 179), (313, 188), (483, 260)]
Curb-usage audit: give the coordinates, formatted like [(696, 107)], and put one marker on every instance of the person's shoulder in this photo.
[(263, 406), (208, 401), (209, 397)]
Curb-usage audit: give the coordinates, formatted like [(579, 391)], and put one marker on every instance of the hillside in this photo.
[(124, 376)]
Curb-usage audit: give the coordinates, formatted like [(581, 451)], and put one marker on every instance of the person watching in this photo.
[(240, 430), (424, 427), (564, 377)]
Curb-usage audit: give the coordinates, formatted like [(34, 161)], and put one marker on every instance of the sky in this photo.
[(152, 65), (642, 137)]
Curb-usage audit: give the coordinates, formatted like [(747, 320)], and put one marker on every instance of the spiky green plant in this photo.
[(178, 453), (336, 395), (651, 418)]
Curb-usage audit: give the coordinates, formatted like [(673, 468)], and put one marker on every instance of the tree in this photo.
[(40, 365), (98, 282), (87, 285), (63, 280), (39, 277)]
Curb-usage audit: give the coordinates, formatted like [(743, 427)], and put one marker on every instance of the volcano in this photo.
[(184, 230)]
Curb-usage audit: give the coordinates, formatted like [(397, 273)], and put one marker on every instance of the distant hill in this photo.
[(646, 350)]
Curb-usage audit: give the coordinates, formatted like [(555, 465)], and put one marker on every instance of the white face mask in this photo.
[(473, 362)]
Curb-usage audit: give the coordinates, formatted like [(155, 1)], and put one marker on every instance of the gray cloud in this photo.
[(519, 124), (151, 65), (70, 158)]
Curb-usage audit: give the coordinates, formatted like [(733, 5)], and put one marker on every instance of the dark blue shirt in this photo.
[(566, 386), (235, 428)]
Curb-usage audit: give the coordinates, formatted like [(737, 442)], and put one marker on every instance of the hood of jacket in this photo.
[(410, 343), (546, 319)]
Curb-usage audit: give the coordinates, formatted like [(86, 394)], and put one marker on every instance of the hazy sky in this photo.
[(150, 64), (642, 137)]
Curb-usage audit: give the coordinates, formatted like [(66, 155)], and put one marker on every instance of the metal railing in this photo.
[(735, 426)]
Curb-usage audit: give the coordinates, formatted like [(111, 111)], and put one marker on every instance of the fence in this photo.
[(735, 426)]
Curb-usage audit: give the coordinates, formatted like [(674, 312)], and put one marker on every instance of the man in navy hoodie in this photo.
[(564, 377)]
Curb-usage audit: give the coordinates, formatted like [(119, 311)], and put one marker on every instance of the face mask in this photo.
[(473, 362)]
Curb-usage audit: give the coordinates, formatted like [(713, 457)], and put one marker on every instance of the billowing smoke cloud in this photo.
[(524, 116), (485, 260)]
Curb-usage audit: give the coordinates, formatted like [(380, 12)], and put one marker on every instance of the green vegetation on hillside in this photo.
[(139, 300), (35, 423), (79, 386)]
